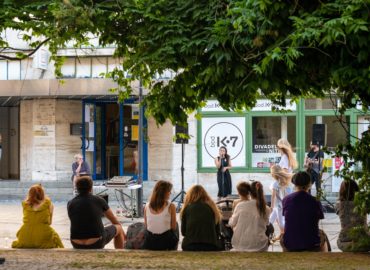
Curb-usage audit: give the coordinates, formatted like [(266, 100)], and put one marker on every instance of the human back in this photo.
[(36, 231)]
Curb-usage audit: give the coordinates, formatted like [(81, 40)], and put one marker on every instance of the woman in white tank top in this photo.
[(160, 219)]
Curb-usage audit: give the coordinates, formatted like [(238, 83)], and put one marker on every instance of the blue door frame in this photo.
[(101, 104)]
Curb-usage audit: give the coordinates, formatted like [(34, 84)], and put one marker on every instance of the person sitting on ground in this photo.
[(302, 213), (85, 212), (244, 191), (350, 220), (249, 220), (280, 189), (79, 168), (200, 221), (36, 231), (160, 219)]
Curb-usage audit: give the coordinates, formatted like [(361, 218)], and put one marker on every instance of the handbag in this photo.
[(269, 230)]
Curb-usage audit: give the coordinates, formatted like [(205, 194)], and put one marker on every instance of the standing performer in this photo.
[(223, 164)]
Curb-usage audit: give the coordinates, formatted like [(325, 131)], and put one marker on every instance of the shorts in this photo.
[(108, 234), (319, 248)]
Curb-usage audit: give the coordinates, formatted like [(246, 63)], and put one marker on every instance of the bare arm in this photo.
[(173, 216), (112, 218), (217, 163)]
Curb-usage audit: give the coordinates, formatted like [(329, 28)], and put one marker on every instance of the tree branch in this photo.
[(11, 58)]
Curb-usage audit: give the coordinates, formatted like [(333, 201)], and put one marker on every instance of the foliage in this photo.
[(234, 51)]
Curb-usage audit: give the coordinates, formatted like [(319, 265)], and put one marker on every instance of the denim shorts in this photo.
[(108, 234)]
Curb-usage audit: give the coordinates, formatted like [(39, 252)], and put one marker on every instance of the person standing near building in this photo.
[(85, 212), (313, 164), (223, 164), (280, 189), (79, 168), (287, 160)]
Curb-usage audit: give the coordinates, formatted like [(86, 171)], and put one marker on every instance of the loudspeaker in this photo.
[(181, 131), (319, 134)]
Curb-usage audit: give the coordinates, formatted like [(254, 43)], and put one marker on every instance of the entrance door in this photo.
[(110, 138), (9, 143)]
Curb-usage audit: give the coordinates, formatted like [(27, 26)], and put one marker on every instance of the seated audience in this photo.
[(302, 213), (250, 219), (350, 221), (160, 219), (36, 231), (244, 191), (85, 212), (200, 221)]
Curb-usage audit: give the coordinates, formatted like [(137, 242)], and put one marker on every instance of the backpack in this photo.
[(136, 234)]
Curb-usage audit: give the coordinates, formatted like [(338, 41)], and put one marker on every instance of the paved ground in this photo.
[(11, 220)]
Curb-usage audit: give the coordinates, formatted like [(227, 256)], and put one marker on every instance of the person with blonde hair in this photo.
[(249, 221), (160, 219), (36, 231), (280, 188), (200, 221), (287, 160)]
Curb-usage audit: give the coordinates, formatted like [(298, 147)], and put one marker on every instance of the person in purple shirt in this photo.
[(302, 213)]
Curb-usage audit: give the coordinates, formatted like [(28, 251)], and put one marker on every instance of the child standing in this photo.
[(280, 188)]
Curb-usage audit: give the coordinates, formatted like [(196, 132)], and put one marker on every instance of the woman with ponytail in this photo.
[(249, 222)]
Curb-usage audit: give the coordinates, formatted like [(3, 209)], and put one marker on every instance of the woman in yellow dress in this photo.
[(36, 231)]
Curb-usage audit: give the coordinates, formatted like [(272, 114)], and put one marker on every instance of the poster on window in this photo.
[(337, 165), (223, 131)]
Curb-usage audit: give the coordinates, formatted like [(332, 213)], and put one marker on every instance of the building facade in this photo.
[(44, 121)]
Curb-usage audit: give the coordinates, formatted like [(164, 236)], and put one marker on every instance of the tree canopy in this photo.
[(234, 51)]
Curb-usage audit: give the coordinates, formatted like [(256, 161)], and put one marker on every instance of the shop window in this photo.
[(83, 68), (99, 66), (3, 70), (335, 132), (14, 70), (320, 104), (69, 68), (266, 131)]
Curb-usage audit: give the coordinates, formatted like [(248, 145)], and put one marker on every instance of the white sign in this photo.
[(261, 105), (227, 132), (336, 181), (266, 105), (44, 130)]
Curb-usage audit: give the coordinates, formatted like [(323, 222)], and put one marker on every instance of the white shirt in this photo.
[(249, 227), (158, 223), (284, 163)]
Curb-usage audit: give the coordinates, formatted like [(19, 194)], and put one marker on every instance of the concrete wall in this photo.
[(4, 141), (67, 112), (160, 151), (47, 149)]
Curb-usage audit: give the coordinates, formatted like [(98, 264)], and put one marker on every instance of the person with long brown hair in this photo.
[(200, 221), (160, 219), (350, 219), (287, 161), (36, 231), (249, 222), (280, 188)]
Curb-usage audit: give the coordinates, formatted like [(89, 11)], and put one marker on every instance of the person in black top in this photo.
[(313, 163), (85, 212), (223, 165)]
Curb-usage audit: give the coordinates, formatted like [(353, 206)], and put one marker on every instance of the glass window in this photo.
[(68, 68), (113, 63), (3, 70), (320, 104), (266, 131), (14, 70), (335, 132), (363, 125), (83, 68), (99, 65)]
